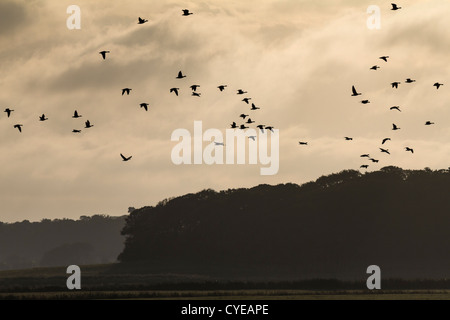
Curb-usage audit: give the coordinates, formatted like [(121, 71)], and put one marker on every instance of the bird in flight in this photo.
[(385, 139), (144, 105), (125, 158), (373, 160), (175, 90), (261, 127), (252, 137), (222, 87), (219, 143), (249, 120), (42, 118), (395, 84), (88, 124), (18, 126), (76, 131), (8, 111), (141, 20), (385, 150), (194, 87), (303, 143), (180, 75), (76, 115), (254, 107), (354, 92), (365, 156), (395, 108), (409, 149), (269, 128), (394, 127), (196, 94), (437, 85), (410, 80), (365, 101), (384, 58), (242, 127), (240, 91), (246, 100), (395, 7), (428, 123), (186, 12), (233, 125), (243, 115), (364, 166), (375, 68), (348, 138), (103, 53), (127, 90)]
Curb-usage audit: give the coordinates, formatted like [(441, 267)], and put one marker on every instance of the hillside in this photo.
[(60, 242), (334, 227)]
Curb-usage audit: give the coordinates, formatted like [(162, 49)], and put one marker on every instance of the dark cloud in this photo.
[(12, 17)]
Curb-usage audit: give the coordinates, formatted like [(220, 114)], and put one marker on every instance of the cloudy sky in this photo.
[(296, 59)]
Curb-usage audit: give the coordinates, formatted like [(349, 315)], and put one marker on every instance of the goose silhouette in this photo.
[(364, 166), (180, 75), (303, 143), (261, 127), (395, 7), (437, 85), (175, 90), (141, 20), (186, 12), (233, 125), (18, 126), (243, 115), (394, 127), (249, 120), (76, 115), (126, 90), (222, 87), (348, 138), (196, 94), (246, 100), (410, 80), (8, 111), (395, 84), (194, 87), (354, 92), (385, 150), (76, 131), (144, 105), (88, 124), (395, 108), (103, 53), (385, 139), (42, 118), (254, 107), (125, 158), (375, 68), (429, 123), (240, 91), (384, 58), (242, 127), (409, 149)]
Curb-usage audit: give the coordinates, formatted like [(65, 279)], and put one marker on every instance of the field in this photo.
[(106, 282)]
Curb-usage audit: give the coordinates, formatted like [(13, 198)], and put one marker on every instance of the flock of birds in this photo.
[(246, 117), (395, 127)]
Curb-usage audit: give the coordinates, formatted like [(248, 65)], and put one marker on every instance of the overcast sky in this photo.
[(296, 59)]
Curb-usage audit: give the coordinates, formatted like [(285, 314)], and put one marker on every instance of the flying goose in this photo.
[(125, 158)]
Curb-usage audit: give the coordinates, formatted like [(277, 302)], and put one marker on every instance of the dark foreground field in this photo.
[(110, 281)]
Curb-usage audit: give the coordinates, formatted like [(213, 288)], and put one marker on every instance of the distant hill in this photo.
[(334, 227), (60, 242)]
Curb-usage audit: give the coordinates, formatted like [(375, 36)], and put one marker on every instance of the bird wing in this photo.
[(354, 90)]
